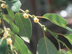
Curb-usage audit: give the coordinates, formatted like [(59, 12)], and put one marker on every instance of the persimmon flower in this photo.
[(36, 20), (9, 41), (25, 15), (3, 6)]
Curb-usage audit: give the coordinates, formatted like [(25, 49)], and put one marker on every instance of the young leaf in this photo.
[(45, 46), (18, 43), (3, 46), (15, 6), (14, 28), (56, 19), (10, 13), (24, 25)]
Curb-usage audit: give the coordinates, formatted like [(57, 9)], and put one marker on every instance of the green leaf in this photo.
[(14, 28), (69, 37), (3, 46), (45, 46), (10, 13), (68, 52), (18, 43), (15, 6), (56, 19), (24, 25)]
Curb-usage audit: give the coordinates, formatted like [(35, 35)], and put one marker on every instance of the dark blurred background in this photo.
[(40, 7)]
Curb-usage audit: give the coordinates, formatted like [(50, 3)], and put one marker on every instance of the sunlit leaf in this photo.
[(45, 46), (56, 19), (68, 52), (24, 25)]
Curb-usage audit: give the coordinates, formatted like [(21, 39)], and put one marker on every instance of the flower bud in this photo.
[(27, 11), (36, 20)]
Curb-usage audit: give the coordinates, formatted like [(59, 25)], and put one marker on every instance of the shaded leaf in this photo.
[(3, 46), (14, 28), (45, 46), (24, 25), (69, 37), (15, 6), (56, 19)]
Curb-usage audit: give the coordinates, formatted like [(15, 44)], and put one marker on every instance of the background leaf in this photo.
[(24, 25), (14, 28), (45, 46), (15, 6), (56, 19), (18, 43), (3, 46)]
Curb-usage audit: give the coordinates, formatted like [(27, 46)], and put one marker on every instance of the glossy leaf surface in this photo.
[(56, 19), (24, 25), (15, 6)]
